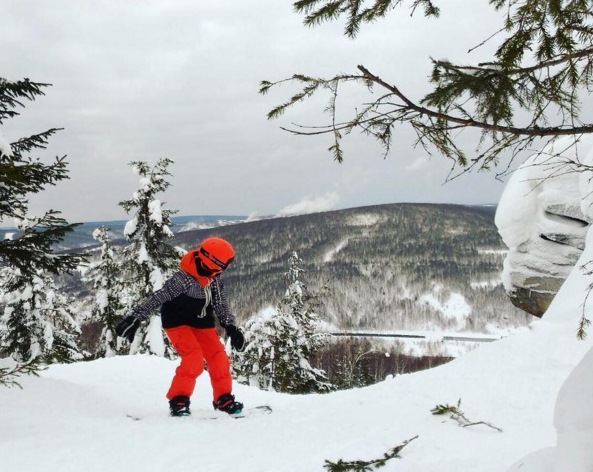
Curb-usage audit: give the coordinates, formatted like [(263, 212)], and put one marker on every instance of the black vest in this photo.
[(184, 310)]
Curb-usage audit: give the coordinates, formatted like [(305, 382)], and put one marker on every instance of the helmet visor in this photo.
[(212, 261)]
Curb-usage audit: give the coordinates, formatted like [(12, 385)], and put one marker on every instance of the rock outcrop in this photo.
[(542, 220)]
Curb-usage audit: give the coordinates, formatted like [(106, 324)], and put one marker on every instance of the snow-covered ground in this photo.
[(77, 417), (535, 385)]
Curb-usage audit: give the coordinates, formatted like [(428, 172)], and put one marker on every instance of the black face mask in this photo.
[(204, 271)]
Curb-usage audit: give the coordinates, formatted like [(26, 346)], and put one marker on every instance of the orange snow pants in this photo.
[(194, 345)]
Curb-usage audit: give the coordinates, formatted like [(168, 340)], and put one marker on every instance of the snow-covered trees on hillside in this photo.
[(281, 342), (148, 259), (395, 254)]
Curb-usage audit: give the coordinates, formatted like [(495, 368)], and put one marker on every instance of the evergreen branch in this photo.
[(365, 466), (36, 141), (8, 375), (556, 37), (534, 131), (319, 11), (434, 126), (583, 325), (32, 249), (457, 415), (497, 68), (584, 322), (11, 92)]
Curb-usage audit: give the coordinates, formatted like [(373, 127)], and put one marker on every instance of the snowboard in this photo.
[(216, 415), (253, 411)]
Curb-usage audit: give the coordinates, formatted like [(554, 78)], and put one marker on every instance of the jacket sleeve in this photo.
[(220, 305), (172, 288)]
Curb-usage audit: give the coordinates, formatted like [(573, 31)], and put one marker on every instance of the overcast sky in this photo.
[(140, 80)]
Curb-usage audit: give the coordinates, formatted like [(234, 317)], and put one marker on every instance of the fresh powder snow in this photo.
[(111, 414)]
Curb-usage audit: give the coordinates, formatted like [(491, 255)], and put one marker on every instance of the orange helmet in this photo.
[(215, 255)]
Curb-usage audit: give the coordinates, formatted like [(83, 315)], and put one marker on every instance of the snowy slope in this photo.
[(78, 417), (74, 417)]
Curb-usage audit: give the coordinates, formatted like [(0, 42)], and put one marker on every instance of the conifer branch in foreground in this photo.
[(8, 375), (365, 466), (457, 415)]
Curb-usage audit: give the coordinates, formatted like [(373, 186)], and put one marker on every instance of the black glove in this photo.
[(237, 338), (127, 327)]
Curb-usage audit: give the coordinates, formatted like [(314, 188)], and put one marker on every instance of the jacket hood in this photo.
[(188, 264)]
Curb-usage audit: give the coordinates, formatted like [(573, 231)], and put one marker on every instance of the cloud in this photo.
[(141, 80), (308, 204), (418, 164)]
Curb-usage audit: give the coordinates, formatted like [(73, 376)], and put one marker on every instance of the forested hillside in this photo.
[(396, 266)]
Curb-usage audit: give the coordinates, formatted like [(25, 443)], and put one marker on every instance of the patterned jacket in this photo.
[(184, 301)]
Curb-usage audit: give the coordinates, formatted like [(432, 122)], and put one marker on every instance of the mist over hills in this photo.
[(403, 266)]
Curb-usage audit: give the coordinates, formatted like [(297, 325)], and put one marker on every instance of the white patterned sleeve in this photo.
[(219, 303), (172, 288)]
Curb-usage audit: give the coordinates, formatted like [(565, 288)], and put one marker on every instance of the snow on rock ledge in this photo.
[(543, 216), (573, 414)]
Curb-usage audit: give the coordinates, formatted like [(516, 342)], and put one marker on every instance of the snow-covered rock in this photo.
[(571, 194), (540, 218)]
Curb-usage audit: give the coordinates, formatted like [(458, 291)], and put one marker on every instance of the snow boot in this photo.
[(179, 406), (228, 404)]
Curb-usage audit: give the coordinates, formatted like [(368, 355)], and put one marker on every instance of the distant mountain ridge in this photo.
[(394, 266), (82, 236)]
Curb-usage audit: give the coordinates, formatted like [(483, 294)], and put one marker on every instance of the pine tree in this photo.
[(149, 259), (108, 309), (281, 342), (36, 324), (22, 175)]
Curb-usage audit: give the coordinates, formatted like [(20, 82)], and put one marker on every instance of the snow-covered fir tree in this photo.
[(149, 259), (38, 322), (108, 309), (281, 342)]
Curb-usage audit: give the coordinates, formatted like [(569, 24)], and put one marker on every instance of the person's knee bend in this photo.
[(219, 365), (191, 365)]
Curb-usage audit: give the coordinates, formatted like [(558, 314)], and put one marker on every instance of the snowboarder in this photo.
[(189, 300)]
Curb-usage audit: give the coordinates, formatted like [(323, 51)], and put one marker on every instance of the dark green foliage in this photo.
[(366, 466), (32, 248), (21, 175), (36, 323), (10, 374), (12, 93), (542, 66), (582, 328), (318, 11)]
